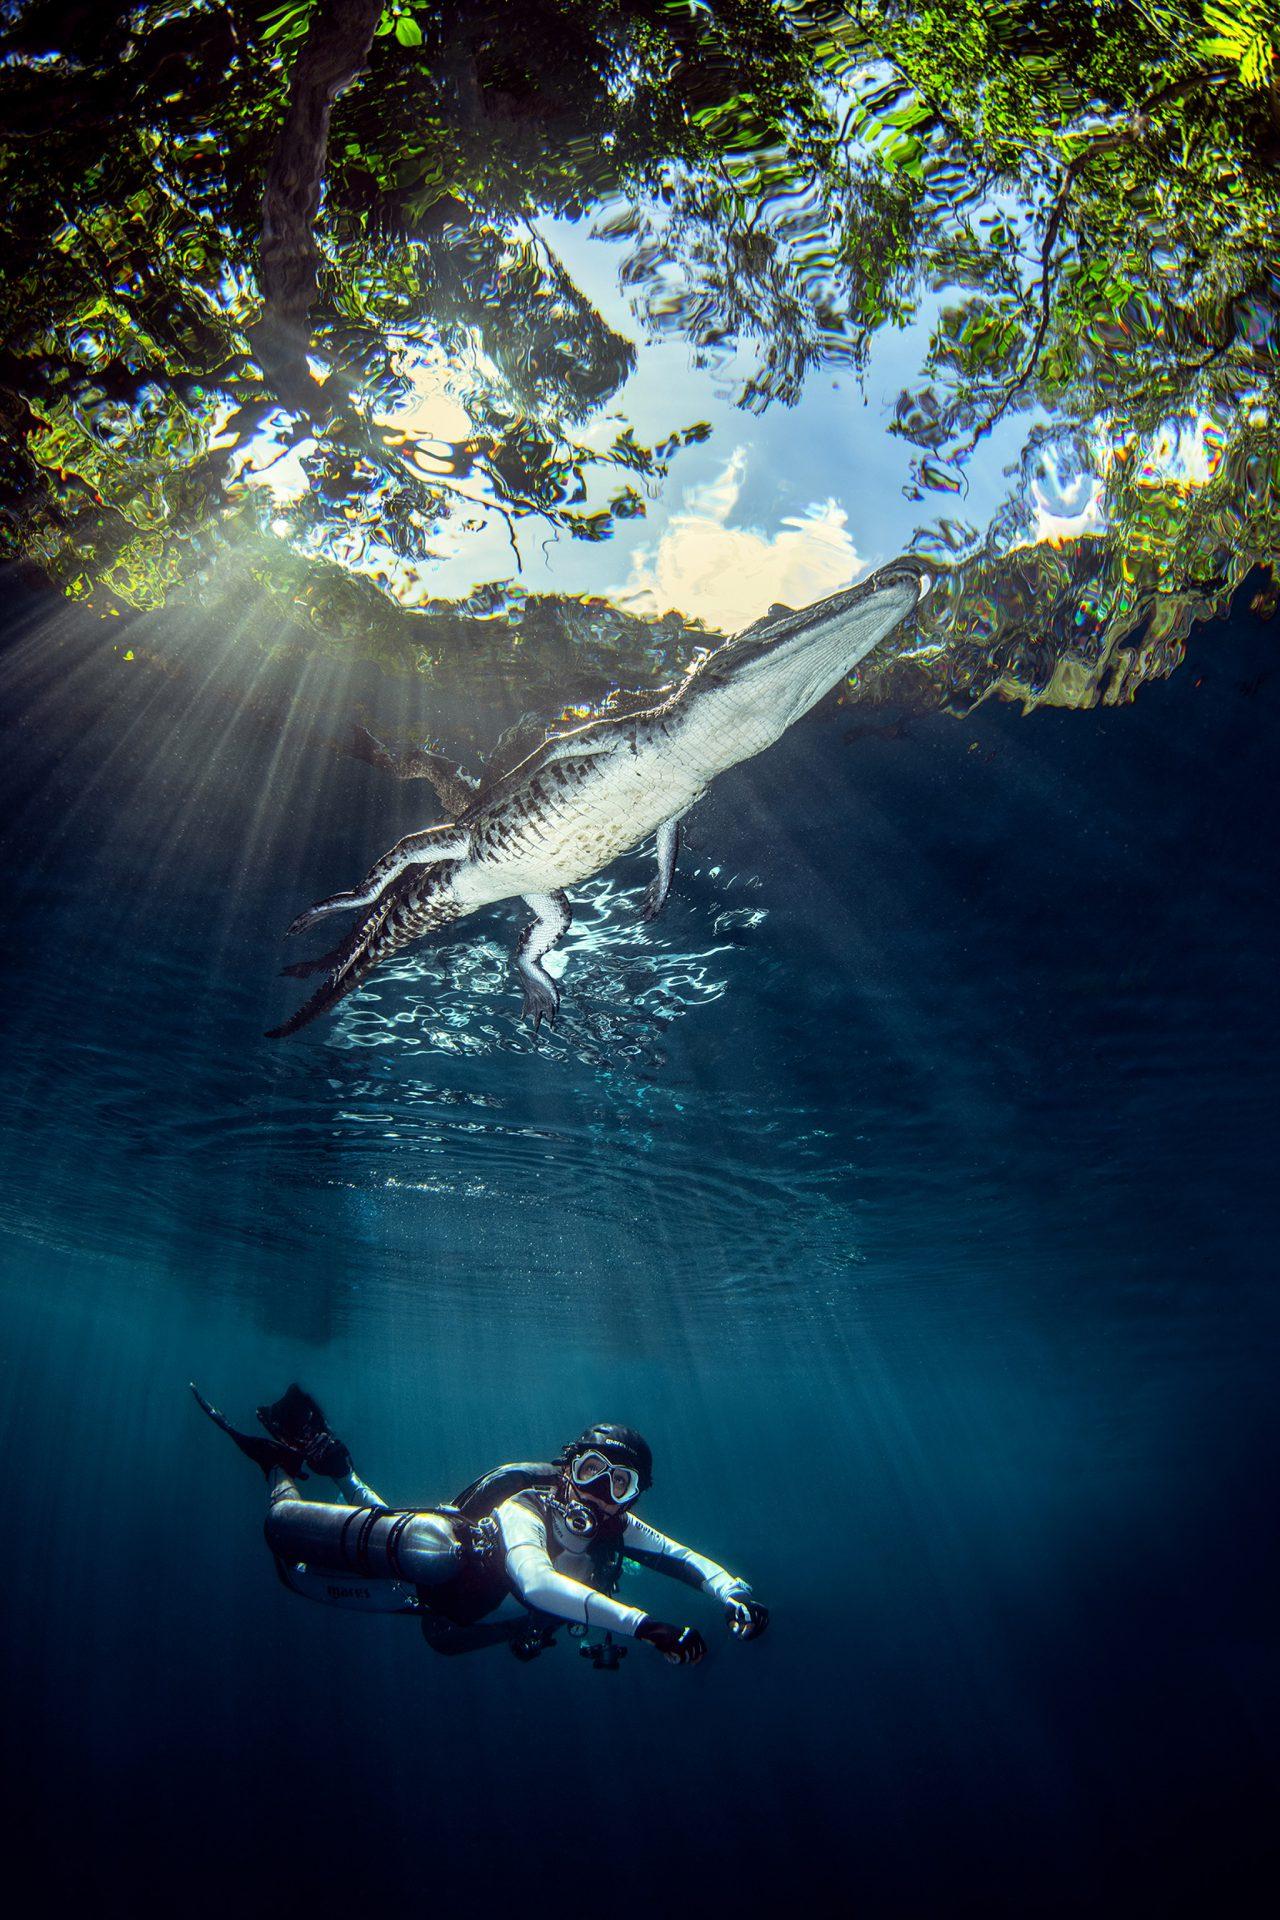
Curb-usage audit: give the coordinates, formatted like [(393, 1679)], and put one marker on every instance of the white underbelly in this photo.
[(576, 831)]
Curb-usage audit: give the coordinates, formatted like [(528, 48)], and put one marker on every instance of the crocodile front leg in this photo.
[(428, 848), (541, 994), (454, 787), (660, 886)]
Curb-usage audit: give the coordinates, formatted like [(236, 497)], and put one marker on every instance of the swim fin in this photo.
[(264, 1453), (297, 1421)]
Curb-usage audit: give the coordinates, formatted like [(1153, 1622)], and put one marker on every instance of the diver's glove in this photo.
[(745, 1618), (682, 1646)]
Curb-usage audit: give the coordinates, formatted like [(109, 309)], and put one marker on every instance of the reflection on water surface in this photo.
[(676, 309)]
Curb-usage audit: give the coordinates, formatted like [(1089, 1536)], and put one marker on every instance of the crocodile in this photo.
[(590, 792)]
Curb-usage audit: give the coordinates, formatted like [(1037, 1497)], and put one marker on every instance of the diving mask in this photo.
[(587, 1469)]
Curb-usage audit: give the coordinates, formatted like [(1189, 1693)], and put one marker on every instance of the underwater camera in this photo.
[(606, 1656)]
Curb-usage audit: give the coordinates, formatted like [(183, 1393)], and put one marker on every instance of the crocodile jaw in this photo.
[(789, 664)]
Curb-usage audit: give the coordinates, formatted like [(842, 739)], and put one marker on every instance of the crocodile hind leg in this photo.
[(303, 969), (668, 847), (433, 844), (541, 994)]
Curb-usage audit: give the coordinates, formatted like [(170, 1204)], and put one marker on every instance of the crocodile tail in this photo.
[(401, 914), (355, 959)]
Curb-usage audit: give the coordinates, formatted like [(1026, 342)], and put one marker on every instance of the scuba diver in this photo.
[(549, 1535)]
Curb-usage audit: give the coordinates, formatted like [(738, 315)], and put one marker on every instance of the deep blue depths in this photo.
[(935, 1256)]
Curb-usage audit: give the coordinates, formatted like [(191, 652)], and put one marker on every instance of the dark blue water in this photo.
[(911, 1187)]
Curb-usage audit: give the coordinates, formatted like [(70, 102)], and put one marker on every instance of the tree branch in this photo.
[(331, 57), (1132, 129)]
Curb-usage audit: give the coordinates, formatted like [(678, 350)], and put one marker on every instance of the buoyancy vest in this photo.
[(487, 1493), (480, 1585), (601, 1547)]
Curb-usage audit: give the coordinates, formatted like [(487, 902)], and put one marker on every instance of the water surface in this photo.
[(909, 1183)]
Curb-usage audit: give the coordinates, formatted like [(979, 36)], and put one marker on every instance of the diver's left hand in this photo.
[(745, 1618)]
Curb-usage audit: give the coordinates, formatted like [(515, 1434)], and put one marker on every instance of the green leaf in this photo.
[(1246, 35), (408, 32), (285, 22)]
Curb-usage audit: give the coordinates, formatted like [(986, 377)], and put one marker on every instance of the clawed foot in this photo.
[(540, 1001)]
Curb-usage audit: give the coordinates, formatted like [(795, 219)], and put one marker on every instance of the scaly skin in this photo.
[(589, 794)]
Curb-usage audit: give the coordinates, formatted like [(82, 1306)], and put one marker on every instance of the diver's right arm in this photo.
[(536, 1582)]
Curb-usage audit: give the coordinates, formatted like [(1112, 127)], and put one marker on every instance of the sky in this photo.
[(783, 506)]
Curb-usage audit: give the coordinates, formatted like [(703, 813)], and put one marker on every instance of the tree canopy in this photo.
[(239, 234)]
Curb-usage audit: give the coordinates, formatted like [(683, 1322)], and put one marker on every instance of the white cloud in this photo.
[(1182, 453), (729, 576), (1056, 523)]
